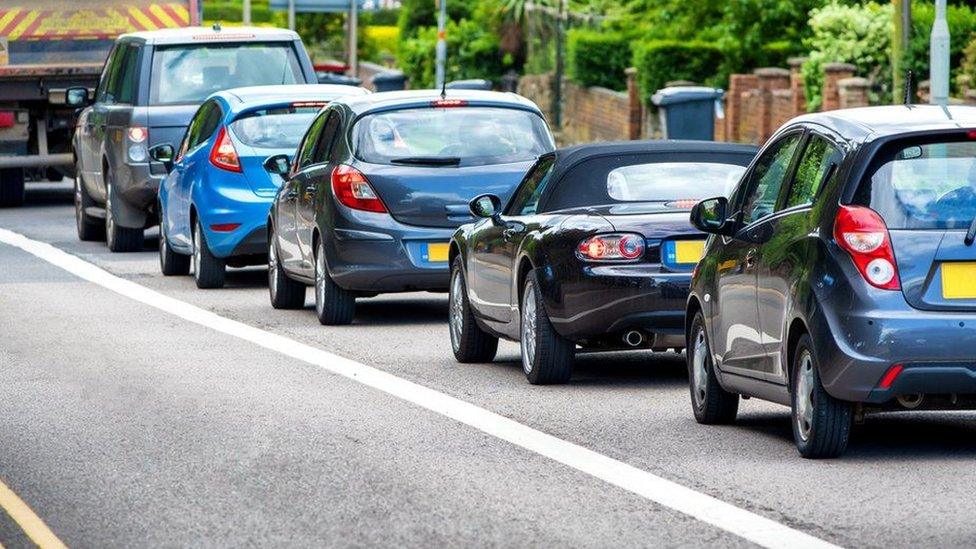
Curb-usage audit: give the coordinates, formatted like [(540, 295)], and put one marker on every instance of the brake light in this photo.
[(863, 234), (682, 204), (448, 103), (137, 134), (223, 154), (611, 247), (300, 104), (353, 190), (7, 119)]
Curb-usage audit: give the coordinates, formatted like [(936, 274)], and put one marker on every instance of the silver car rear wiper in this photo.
[(428, 160)]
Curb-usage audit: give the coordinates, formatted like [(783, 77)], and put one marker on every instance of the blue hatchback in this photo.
[(214, 203)]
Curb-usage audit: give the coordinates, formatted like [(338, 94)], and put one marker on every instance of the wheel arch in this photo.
[(694, 307), (797, 328)]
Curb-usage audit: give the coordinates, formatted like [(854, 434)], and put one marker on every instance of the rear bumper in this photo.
[(857, 348), (245, 208), (612, 299), (137, 187), (375, 253)]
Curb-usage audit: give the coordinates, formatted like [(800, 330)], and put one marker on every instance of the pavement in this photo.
[(124, 425)]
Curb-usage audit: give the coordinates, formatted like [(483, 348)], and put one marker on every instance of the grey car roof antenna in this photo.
[(444, 89)]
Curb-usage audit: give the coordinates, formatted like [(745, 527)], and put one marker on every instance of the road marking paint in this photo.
[(740, 522), (29, 522)]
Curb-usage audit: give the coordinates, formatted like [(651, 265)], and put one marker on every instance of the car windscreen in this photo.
[(187, 74), (668, 181), (460, 136), (922, 184), (274, 128), (672, 179)]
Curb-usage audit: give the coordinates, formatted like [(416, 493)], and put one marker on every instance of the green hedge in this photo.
[(597, 58), (472, 52), (659, 61)]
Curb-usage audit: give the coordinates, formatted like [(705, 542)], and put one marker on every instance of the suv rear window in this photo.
[(922, 185), (187, 74), (274, 128), (461, 136)]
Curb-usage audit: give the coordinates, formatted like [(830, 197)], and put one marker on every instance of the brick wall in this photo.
[(538, 88), (594, 114)]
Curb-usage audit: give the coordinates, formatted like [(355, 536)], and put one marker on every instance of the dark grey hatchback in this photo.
[(840, 277)]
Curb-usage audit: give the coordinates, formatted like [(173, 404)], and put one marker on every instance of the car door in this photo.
[(315, 177), (785, 254), (493, 248), (736, 328), (90, 168), (286, 204), (96, 120), (187, 165)]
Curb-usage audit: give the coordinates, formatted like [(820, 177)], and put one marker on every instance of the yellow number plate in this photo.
[(959, 280), (688, 251), (437, 252)]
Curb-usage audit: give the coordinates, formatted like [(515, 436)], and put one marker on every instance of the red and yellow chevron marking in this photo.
[(25, 24)]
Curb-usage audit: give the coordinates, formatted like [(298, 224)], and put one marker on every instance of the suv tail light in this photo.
[(611, 247), (863, 234), (352, 189), (223, 154)]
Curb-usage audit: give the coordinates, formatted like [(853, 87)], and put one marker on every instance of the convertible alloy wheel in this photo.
[(547, 357), (527, 339), (470, 343), (709, 401)]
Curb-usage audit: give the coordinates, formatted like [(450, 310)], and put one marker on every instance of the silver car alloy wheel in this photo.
[(804, 396), (699, 373), (109, 218), (320, 281), (527, 341), (273, 269), (78, 209), (456, 312)]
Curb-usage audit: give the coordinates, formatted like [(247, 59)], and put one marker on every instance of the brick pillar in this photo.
[(853, 92), (635, 115), (770, 78), (738, 85), (798, 101), (833, 73)]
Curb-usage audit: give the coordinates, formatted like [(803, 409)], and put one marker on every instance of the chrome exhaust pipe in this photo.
[(633, 338), (910, 402)]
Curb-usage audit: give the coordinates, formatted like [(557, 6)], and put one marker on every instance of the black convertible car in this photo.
[(594, 249)]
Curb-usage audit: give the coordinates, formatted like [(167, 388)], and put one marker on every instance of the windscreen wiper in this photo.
[(428, 160), (971, 233)]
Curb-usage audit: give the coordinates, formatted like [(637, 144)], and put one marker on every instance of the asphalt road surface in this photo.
[(125, 424)]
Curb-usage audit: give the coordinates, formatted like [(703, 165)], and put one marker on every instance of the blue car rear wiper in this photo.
[(428, 160)]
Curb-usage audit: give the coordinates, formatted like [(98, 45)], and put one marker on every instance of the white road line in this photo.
[(728, 517)]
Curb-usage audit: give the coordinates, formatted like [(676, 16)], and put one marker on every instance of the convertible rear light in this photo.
[(611, 247), (223, 154), (352, 189), (863, 234), (7, 119)]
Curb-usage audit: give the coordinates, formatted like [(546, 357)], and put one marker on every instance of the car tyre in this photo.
[(209, 271), (171, 263), (469, 342), (89, 228), (821, 423), (547, 357), (334, 306), (711, 404), (12, 187), (285, 292), (118, 238)]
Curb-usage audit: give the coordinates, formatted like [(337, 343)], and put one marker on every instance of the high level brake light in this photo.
[(863, 234), (352, 189), (223, 154), (611, 247)]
